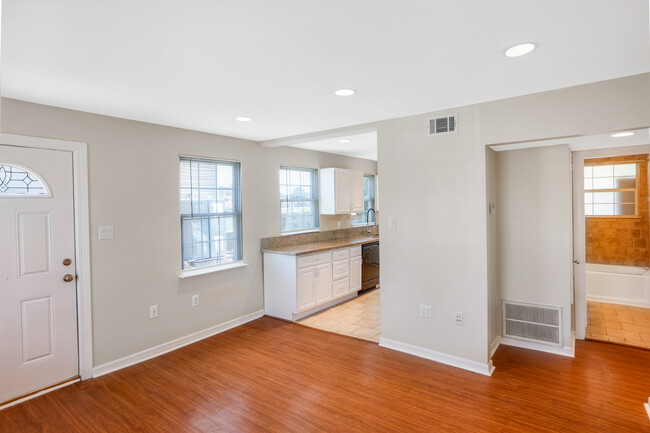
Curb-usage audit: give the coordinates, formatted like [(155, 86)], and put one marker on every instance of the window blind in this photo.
[(210, 212)]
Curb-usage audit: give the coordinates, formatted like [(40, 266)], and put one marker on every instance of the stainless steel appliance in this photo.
[(370, 265)]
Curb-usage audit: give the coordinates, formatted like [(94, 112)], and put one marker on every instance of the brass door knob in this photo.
[(67, 262), (67, 278)]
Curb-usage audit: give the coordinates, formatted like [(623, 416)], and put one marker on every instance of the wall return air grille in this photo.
[(536, 323), (442, 125)]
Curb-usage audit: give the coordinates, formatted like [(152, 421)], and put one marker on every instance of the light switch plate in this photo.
[(392, 224), (105, 233)]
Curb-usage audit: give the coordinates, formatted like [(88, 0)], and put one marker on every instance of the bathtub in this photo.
[(627, 285)]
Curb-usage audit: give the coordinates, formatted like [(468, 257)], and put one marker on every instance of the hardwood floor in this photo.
[(269, 375)]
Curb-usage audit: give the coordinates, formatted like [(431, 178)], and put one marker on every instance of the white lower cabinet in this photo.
[(323, 283), (298, 286), (355, 274)]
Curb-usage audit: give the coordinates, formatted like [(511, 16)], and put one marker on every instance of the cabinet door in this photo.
[(356, 190), (306, 297), (343, 203), (323, 283), (355, 274)]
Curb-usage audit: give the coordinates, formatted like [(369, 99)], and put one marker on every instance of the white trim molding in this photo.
[(647, 407), (169, 346), (563, 351), (619, 301), (494, 345), (82, 236), (443, 358)]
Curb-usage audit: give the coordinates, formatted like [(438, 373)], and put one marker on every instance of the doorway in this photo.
[(611, 240), (44, 267)]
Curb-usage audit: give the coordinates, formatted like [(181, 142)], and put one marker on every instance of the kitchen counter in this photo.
[(317, 247)]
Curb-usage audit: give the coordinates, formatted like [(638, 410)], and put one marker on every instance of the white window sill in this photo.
[(299, 232), (211, 269)]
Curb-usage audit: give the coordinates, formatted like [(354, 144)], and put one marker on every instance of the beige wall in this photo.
[(436, 188), (535, 228), (133, 175)]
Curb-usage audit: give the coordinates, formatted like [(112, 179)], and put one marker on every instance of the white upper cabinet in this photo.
[(341, 191)]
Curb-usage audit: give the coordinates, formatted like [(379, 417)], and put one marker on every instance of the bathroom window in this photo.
[(298, 198), (368, 200), (611, 189), (210, 207)]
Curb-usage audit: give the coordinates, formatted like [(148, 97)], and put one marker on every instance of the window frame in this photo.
[(315, 198), (237, 212), (614, 190), (373, 178)]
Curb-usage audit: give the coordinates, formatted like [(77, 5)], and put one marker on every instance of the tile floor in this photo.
[(620, 324), (358, 317)]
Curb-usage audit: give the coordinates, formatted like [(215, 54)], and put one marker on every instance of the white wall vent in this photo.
[(443, 125), (537, 323)]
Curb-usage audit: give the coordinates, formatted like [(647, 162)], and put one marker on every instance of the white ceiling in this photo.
[(198, 64), (359, 146)]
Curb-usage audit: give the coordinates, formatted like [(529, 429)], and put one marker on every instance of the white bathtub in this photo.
[(627, 285)]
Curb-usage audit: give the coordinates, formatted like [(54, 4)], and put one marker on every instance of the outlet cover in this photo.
[(195, 300), (459, 319), (426, 311), (153, 311)]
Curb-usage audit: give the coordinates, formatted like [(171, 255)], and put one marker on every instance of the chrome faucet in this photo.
[(368, 229)]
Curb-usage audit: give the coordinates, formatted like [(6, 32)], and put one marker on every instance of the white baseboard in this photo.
[(619, 301), (494, 345), (647, 408), (564, 351), (161, 349), (443, 358)]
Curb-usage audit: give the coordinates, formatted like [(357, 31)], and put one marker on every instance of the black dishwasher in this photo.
[(370, 265)]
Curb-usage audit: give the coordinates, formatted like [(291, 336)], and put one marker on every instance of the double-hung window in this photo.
[(298, 198), (210, 205), (611, 189), (368, 200)]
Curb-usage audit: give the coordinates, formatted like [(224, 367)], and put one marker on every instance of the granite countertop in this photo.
[(317, 247)]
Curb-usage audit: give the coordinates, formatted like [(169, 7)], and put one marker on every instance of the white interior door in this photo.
[(38, 309), (579, 250)]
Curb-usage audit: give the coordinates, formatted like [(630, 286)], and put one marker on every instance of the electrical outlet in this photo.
[(459, 319), (338, 224), (195, 300), (426, 311), (153, 311), (270, 231)]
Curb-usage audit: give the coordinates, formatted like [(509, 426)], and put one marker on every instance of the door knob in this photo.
[(67, 278), (67, 262)]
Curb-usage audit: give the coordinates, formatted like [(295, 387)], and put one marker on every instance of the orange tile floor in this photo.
[(620, 324), (358, 317)]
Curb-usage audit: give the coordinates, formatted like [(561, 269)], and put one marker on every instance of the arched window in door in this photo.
[(17, 181)]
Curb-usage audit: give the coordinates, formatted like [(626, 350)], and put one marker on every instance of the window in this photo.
[(610, 190), (210, 203), (368, 200), (18, 181), (298, 198)]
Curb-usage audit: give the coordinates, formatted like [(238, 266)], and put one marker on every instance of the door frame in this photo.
[(82, 236)]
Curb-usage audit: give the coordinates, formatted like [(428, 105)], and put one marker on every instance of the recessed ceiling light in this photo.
[(622, 134), (244, 118), (345, 92), (520, 49), (345, 140)]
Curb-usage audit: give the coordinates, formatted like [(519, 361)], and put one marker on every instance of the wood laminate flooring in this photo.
[(273, 376), (358, 317), (620, 324)]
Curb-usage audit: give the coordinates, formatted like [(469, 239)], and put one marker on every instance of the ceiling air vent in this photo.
[(538, 323), (443, 125)]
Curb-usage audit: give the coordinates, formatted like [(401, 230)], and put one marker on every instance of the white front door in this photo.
[(38, 299)]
